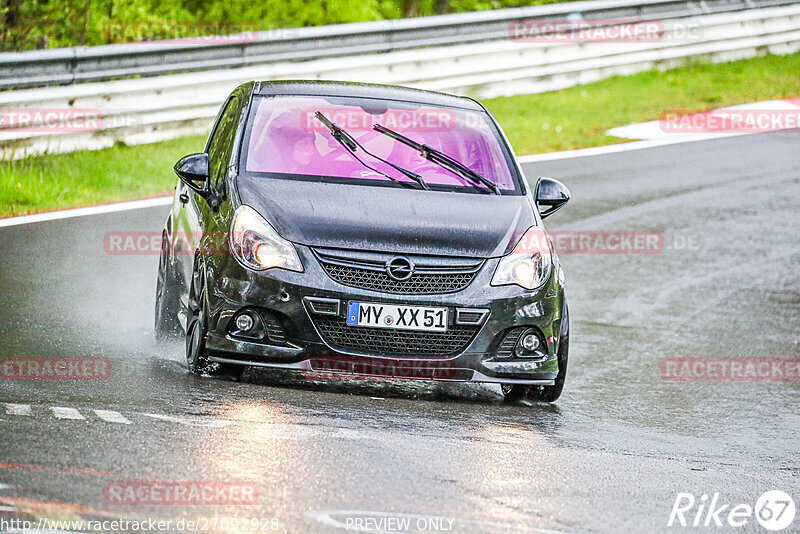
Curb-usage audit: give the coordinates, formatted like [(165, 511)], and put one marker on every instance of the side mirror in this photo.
[(193, 171), (550, 194)]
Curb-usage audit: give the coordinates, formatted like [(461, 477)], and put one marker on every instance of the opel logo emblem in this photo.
[(399, 268)]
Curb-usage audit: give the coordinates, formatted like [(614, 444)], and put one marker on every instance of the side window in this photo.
[(221, 145)]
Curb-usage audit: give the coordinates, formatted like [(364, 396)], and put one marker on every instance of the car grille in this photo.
[(341, 336), (367, 271)]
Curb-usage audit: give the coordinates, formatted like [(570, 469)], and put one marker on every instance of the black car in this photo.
[(364, 230)]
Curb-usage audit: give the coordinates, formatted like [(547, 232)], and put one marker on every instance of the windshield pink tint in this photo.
[(287, 138)]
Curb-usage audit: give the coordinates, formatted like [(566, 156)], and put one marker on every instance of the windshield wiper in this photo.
[(441, 159), (347, 141)]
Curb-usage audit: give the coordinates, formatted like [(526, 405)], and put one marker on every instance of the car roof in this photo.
[(364, 90)]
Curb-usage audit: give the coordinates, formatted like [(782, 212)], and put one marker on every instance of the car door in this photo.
[(220, 160), (195, 215)]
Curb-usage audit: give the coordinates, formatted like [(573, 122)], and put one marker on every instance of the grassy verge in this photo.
[(561, 120), (91, 177), (579, 116)]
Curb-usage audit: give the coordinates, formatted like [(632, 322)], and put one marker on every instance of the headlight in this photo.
[(530, 263), (258, 246)]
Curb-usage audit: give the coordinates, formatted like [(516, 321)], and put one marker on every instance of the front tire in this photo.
[(196, 331), (552, 393), (515, 392)]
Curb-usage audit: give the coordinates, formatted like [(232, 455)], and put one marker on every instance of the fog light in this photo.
[(530, 342), (529, 345), (244, 322)]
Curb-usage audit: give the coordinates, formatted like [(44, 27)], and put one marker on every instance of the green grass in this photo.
[(91, 177), (579, 116), (560, 120)]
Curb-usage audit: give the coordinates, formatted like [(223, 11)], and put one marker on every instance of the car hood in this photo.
[(389, 219)]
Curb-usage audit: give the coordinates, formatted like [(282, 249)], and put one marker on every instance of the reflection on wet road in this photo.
[(329, 456)]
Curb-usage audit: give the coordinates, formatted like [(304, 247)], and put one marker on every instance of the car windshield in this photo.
[(285, 137)]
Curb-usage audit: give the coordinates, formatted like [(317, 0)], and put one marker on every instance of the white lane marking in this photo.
[(8, 509), (4, 486), (112, 416), (82, 212), (66, 413), (18, 409), (265, 429)]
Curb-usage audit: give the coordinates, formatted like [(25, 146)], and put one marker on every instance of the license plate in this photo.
[(399, 317)]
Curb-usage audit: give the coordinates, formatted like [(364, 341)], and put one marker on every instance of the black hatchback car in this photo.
[(364, 230)]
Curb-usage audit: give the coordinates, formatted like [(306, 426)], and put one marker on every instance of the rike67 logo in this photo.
[(774, 510)]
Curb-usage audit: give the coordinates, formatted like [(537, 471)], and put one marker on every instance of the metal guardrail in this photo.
[(84, 64)]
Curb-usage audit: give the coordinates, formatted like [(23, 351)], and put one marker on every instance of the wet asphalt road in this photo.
[(610, 456)]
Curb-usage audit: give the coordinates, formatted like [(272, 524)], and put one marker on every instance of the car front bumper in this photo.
[(285, 295)]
